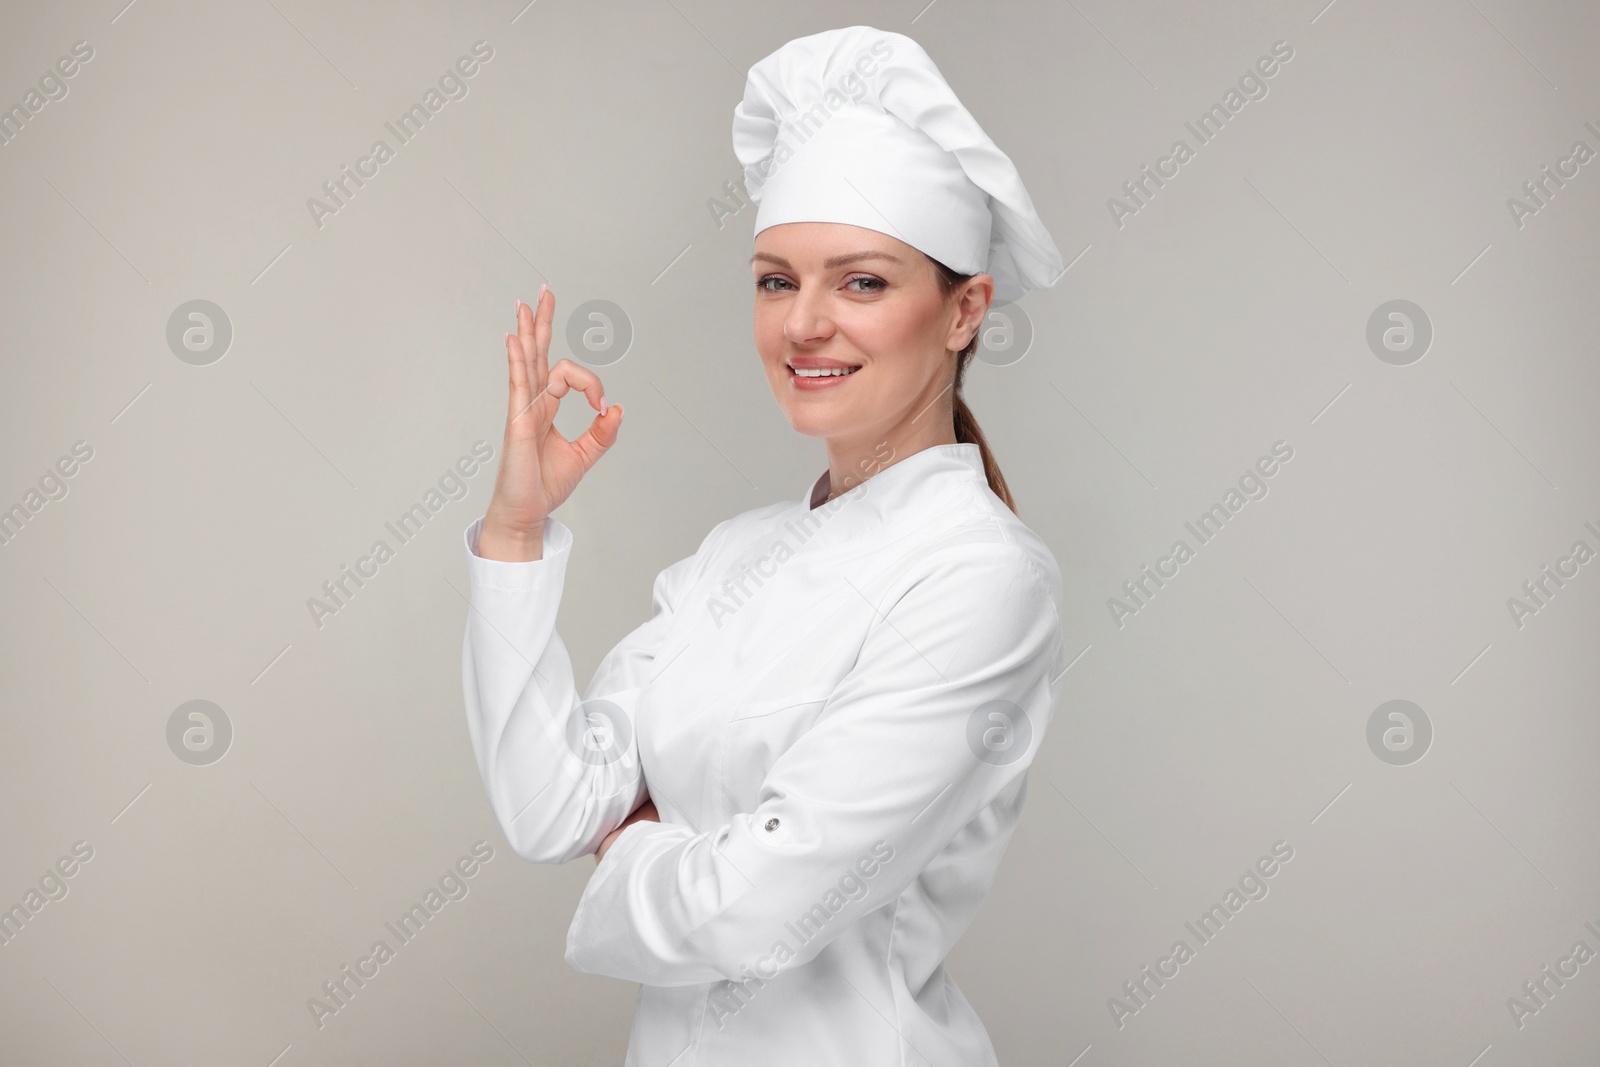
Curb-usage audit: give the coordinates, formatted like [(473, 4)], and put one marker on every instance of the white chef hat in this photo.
[(857, 125)]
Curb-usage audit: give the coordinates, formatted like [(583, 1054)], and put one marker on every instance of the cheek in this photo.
[(898, 342), (767, 331), (907, 324), (767, 324)]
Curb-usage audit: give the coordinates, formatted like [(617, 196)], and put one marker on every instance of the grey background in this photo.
[(366, 357)]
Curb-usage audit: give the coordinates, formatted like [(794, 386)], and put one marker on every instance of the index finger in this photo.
[(536, 338)]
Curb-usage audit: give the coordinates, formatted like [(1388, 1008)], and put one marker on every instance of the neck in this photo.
[(851, 461)]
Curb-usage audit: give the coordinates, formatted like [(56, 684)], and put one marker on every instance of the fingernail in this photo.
[(541, 291), (517, 312), (603, 405)]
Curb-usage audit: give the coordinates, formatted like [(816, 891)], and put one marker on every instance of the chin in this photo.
[(818, 414), (812, 423)]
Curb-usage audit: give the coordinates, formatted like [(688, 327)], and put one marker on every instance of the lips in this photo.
[(822, 372), (810, 374)]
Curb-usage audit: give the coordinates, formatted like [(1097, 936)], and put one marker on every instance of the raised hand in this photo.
[(539, 468)]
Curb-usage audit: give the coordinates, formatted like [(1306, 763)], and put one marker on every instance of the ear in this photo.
[(974, 300)]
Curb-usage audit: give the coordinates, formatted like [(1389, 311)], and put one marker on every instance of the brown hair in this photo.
[(967, 431)]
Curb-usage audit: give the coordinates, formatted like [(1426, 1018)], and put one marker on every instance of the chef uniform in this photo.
[(835, 702)]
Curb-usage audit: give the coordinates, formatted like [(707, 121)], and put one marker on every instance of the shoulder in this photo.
[(983, 537), (980, 568)]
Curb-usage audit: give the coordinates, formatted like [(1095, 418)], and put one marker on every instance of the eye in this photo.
[(762, 283), (878, 283)]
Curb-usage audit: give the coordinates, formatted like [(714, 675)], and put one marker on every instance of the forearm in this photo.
[(531, 734)]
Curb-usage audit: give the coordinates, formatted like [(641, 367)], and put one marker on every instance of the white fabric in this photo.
[(857, 125), (810, 753)]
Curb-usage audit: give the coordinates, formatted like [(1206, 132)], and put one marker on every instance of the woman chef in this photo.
[(800, 774)]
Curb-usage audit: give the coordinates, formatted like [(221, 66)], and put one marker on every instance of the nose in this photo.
[(807, 322)]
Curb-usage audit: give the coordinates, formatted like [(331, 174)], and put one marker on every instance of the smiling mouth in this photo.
[(822, 372)]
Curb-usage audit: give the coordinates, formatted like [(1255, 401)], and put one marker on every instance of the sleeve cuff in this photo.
[(528, 574), (596, 939)]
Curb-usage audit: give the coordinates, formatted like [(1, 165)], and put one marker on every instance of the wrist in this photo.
[(511, 544)]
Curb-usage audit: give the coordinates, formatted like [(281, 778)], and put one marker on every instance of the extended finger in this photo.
[(518, 393), (545, 314), (525, 317), (517, 370)]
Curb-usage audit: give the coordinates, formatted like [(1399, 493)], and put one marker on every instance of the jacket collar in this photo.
[(950, 458), (901, 504)]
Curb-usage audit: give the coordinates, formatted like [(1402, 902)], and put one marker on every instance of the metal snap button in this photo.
[(772, 824)]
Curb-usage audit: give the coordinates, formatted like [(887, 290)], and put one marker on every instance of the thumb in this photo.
[(600, 436)]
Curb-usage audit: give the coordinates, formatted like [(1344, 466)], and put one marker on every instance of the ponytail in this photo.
[(966, 425)]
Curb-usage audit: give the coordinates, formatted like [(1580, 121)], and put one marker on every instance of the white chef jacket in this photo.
[(833, 705)]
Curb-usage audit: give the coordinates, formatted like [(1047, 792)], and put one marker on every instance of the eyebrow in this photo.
[(836, 261)]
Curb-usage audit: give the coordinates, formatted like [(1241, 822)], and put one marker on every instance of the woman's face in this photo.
[(829, 295)]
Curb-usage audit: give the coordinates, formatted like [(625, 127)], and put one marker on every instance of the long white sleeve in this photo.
[(892, 766), (560, 772)]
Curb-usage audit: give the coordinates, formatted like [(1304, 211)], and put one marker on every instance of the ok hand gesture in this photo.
[(539, 468)]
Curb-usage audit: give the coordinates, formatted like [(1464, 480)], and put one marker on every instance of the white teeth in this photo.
[(823, 372)]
